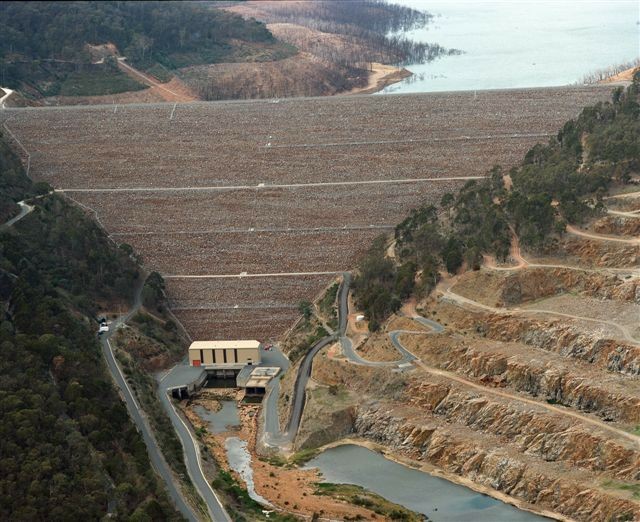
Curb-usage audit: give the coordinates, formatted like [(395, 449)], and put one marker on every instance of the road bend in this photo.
[(25, 209), (304, 370)]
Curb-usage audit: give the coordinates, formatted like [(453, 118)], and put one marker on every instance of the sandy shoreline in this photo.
[(451, 477), (380, 76)]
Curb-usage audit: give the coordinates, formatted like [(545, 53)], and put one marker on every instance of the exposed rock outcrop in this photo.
[(536, 283), (487, 463)]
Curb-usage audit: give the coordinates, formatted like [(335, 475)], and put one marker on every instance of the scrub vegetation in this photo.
[(359, 496), (559, 183)]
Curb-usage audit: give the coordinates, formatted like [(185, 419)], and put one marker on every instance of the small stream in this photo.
[(240, 461), (439, 499), (238, 456)]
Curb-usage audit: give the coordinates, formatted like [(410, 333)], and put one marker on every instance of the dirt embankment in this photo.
[(618, 226), (593, 253), (290, 490), (379, 77), (621, 77)]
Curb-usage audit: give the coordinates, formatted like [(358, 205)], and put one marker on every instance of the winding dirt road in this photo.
[(600, 237)]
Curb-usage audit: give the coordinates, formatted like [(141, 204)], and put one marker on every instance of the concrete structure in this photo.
[(224, 358), (255, 380)]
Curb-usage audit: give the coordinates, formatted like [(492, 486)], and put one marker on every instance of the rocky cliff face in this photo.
[(335, 426), (601, 253), (558, 337), (558, 382), (536, 283), (618, 226), (512, 433), (486, 462), (533, 430)]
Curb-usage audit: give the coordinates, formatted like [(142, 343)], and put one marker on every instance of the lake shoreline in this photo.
[(446, 475), (380, 77)]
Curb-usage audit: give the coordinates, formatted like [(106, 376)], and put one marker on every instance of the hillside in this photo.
[(504, 346), (344, 47), (63, 423), (67, 48), (558, 184), (67, 53)]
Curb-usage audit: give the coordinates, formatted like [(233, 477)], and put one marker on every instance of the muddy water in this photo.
[(439, 499), (220, 421), (240, 461), (238, 456)]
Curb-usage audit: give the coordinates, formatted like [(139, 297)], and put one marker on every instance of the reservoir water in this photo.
[(521, 43), (439, 499)]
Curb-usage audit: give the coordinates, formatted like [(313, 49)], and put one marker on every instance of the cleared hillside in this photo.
[(302, 185)]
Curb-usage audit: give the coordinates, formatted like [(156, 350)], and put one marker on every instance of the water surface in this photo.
[(222, 420), (240, 461), (522, 43), (439, 499)]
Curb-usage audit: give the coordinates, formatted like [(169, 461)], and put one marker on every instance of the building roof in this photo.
[(219, 345), (256, 376)]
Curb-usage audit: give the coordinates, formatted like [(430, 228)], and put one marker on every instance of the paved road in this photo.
[(24, 210), (244, 274), (153, 449), (252, 230), (180, 375), (304, 371), (283, 440), (347, 346), (606, 89), (270, 186), (299, 390), (272, 434)]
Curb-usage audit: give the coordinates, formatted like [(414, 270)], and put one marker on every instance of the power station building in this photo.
[(224, 358)]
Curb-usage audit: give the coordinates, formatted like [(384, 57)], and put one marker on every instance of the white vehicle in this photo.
[(104, 327)]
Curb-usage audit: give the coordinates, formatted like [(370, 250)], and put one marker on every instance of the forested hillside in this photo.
[(14, 185), (43, 44), (371, 29), (68, 450), (557, 183)]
